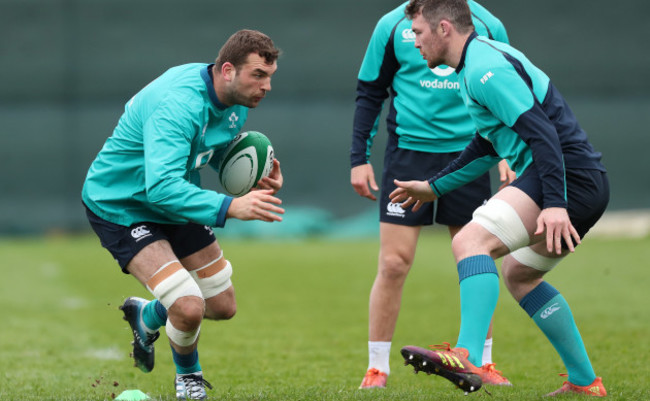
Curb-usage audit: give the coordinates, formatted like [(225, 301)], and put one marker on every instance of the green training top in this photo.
[(426, 111), (148, 170), (520, 117)]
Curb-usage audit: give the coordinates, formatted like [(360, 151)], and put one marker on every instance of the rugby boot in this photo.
[(374, 379), (595, 389), (490, 375), (143, 349), (191, 386), (452, 364)]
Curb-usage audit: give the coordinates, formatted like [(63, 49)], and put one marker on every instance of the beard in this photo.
[(435, 61), (245, 100)]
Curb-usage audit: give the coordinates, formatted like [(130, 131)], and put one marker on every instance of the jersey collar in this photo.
[(461, 64), (206, 74)]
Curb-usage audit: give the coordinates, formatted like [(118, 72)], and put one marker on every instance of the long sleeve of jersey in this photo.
[(525, 118), (507, 92), (477, 158), (375, 77), (167, 144)]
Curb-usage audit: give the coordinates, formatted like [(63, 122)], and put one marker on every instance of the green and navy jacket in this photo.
[(520, 117), (426, 112), (148, 170)]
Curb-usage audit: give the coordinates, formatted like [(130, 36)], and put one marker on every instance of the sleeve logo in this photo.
[(486, 77), (408, 35)]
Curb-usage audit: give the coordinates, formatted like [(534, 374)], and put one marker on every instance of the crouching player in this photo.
[(560, 192), (143, 198)]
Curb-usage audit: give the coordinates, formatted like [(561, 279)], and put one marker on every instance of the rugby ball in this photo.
[(247, 159)]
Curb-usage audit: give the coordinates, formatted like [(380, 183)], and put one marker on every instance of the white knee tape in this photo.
[(213, 278), (501, 219), (182, 338), (530, 258), (171, 282)]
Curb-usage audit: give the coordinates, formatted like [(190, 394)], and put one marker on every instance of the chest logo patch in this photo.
[(233, 120)]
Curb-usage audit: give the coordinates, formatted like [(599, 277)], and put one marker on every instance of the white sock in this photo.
[(378, 355), (487, 351)]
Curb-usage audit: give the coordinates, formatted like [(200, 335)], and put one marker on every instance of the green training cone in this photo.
[(132, 395)]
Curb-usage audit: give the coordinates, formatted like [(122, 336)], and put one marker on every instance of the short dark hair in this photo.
[(244, 42), (455, 11)]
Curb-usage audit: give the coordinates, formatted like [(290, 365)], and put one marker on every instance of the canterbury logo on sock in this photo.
[(549, 311)]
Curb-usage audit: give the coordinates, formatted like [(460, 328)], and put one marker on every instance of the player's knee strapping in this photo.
[(171, 282), (213, 278), (530, 258), (182, 338), (501, 219)]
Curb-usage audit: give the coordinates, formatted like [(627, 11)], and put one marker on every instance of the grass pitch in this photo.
[(301, 328)]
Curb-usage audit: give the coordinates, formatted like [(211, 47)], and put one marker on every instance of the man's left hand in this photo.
[(556, 222), (274, 180)]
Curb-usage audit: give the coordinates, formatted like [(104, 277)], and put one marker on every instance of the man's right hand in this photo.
[(362, 178), (256, 205)]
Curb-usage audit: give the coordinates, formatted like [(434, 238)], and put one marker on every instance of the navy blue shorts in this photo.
[(453, 209), (587, 195), (125, 242)]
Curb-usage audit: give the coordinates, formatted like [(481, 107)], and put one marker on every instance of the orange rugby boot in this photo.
[(374, 379), (441, 360), (490, 375), (595, 389)]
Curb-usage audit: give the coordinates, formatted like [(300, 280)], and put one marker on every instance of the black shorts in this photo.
[(587, 195), (453, 209), (125, 242)]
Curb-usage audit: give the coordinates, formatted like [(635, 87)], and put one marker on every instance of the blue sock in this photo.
[(552, 314), (154, 315), (479, 292), (188, 363)]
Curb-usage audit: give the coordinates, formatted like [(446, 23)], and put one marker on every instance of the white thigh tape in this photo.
[(530, 258), (171, 282), (501, 219), (214, 278), (182, 338)]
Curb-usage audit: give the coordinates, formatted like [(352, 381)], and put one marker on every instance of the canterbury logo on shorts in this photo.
[(140, 232), (395, 209)]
